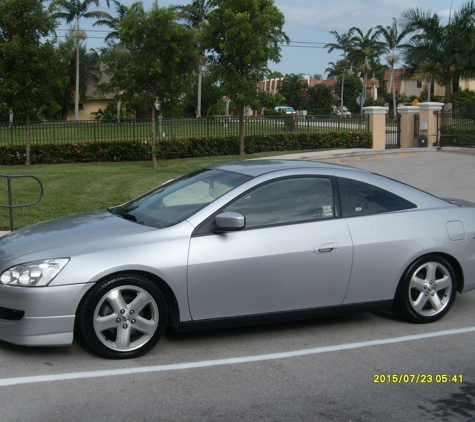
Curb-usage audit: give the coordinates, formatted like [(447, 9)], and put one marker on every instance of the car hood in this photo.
[(66, 231)]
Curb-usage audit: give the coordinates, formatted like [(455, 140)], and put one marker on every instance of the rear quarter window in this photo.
[(359, 198)]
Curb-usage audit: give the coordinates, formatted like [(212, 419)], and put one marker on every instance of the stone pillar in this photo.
[(407, 139), (428, 121), (377, 125)]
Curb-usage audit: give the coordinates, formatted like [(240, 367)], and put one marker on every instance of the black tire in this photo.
[(123, 317), (427, 290)]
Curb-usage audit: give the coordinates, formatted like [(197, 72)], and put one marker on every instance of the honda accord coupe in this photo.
[(235, 244)]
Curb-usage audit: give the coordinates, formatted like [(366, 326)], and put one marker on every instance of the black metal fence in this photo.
[(392, 131), (140, 129), (457, 127)]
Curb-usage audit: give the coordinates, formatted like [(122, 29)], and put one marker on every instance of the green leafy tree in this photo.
[(74, 10), (343, 42), (294, 90), (440, 52), (31, 69), (243, 36), (195, 15), (89, 70), (319, 96), (464, 97), (366, 51), (394, 39), (352, 89), (210, 92), (149, 66), (112, 22)]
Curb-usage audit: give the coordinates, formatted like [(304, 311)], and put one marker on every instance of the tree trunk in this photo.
[(394, 89), (200, 79), (28, 139), (342, 88), (76, 94), (154, 158), (241, 129)]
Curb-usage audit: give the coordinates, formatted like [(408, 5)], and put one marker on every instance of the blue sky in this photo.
[(310, 21)]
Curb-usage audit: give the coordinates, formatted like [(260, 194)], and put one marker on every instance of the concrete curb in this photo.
[(316, 155)]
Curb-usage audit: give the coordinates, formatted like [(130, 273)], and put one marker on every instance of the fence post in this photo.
[(429, 122), (377, 125), (407, 125)]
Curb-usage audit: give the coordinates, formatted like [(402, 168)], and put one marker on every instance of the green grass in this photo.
[(76, 188), (98, 131)]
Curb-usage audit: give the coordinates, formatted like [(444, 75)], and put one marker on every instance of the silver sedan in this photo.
[(236, 244)]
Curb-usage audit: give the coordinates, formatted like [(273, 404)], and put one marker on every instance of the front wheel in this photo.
[(123, 317), (427, 290)]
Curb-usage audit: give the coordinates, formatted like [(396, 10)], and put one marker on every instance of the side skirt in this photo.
[(241, 321)]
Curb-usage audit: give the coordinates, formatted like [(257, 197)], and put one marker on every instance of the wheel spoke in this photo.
[(437, 305), (444, 282), (142, 300), (122, 341), (146, 326), (431, 270), (107, 322), (114, 298), (417, 283), (420, 302)]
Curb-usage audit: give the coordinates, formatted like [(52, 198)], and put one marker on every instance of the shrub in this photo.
[(87, 152)]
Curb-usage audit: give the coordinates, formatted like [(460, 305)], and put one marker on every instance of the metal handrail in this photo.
[(10, 205)]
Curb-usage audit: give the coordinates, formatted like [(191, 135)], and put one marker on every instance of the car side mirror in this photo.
[(229, 222)]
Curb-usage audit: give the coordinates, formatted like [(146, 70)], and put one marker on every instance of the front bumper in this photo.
[(39, 316)]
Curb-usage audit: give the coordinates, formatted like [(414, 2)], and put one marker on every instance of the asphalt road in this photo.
[(321, 370)]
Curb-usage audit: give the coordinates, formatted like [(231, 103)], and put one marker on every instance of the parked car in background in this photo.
[(235, 244), (342, 112), (285, 109)]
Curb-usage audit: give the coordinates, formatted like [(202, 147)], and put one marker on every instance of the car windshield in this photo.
[(178, 199)]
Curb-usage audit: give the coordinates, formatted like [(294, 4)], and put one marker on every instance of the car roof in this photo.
[(256, 168)]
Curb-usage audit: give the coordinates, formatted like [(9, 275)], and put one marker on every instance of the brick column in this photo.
[(407, 139), (377, 125), (428, 121)]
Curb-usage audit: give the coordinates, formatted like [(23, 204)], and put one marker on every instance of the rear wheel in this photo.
[(123, 317), (427, 290)]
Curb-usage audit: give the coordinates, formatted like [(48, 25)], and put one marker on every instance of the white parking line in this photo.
[(231, 361)]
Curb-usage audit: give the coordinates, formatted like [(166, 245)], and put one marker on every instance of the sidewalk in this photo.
[(322, 155)]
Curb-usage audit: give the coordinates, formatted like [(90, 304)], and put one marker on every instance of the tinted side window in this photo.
[(286, 201), (359, 198)]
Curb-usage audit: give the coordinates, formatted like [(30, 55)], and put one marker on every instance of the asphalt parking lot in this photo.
[(363, 367)]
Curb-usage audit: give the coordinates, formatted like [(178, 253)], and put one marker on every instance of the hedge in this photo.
[(177, 148)]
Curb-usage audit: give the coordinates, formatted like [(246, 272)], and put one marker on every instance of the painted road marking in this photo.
[(337, 160), (230, 361)]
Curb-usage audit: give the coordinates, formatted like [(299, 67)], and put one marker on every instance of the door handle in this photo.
[(327, 248)]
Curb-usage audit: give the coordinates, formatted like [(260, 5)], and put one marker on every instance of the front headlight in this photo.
[(37, 273)]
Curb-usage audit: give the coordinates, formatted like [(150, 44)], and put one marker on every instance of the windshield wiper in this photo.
[(128, 216)]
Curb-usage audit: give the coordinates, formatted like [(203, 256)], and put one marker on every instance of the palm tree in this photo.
[(393, 41), (113, 22), (195, 14), (438, 52), (73, 10), (345, 43), (366, 49)]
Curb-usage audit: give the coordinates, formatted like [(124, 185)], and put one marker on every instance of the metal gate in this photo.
[(393, 130), (457, 127)]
